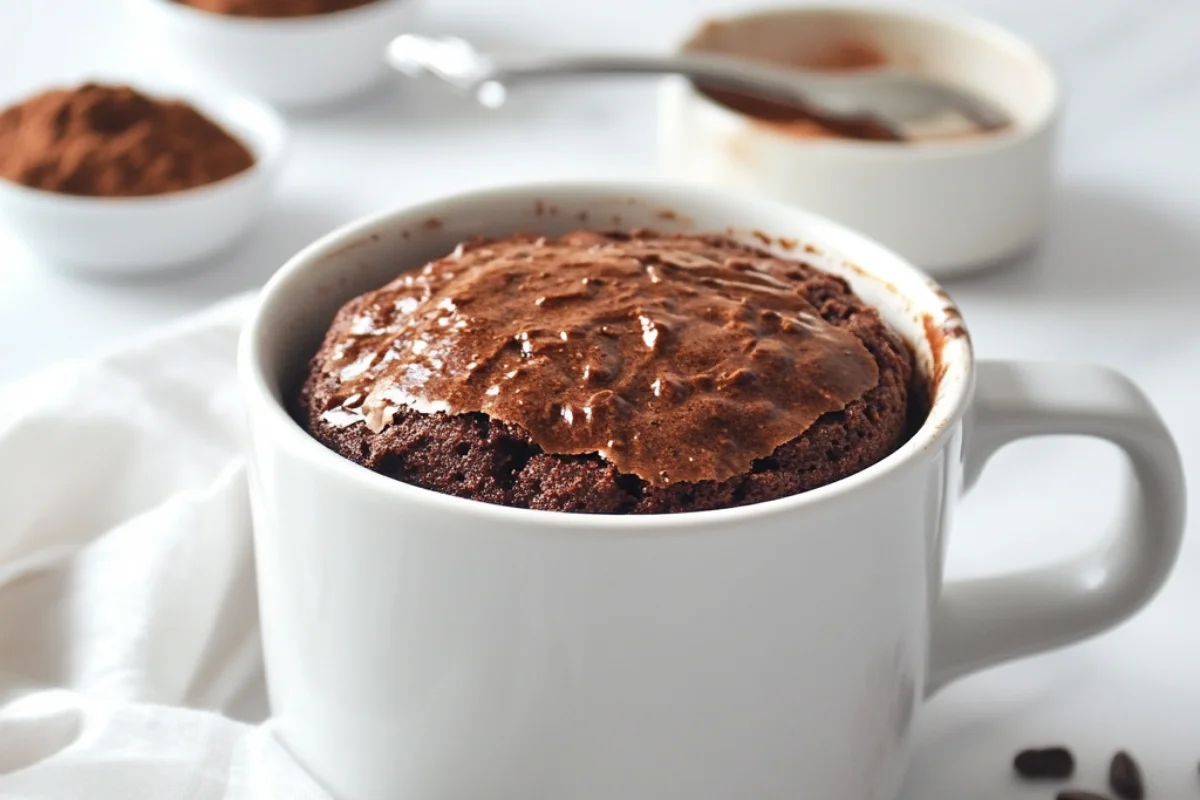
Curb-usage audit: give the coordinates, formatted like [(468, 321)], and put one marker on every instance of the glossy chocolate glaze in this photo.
[(676, 358)]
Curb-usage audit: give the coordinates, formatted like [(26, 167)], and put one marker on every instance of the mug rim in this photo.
[(951, 390)]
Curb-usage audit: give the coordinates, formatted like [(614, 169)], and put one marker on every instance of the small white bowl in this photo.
[(952, 205), (292, 61), (127, 236)]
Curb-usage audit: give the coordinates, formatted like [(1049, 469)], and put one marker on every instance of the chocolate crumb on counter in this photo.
[(1054, 763), (1125, 777)]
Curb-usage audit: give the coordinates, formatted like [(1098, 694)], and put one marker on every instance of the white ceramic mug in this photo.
[(427, 647)]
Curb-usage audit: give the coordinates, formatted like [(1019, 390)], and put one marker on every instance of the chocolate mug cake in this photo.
[(779, 649), (611, 373)]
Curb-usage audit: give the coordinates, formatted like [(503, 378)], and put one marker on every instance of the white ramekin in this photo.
[(127, 236), (951, 205), (291, 62)]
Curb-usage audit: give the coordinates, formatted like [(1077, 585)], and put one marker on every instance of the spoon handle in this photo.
[(883, 98), (789, 86), (853, 97)]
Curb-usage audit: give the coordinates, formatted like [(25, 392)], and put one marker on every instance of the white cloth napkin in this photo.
[(128, 622)]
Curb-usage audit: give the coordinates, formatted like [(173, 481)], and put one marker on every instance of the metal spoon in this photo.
[(894, 98)]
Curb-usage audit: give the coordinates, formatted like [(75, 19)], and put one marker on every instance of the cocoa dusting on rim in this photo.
[(856, 269), (954, 327), (938, 336), (937, 342), (350, 247), (785, 243), (541, 209), (671, 215)]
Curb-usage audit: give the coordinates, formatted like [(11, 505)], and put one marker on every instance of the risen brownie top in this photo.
[(611, 373)]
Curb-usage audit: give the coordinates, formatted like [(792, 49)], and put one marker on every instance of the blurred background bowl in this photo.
[(128, 236), (292, 61), (951, 205)]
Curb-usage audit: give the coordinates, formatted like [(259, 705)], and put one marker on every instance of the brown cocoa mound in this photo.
[(113, 141), (274, 8), (475, 456)]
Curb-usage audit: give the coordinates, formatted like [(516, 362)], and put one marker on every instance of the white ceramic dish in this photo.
[(950, 206), (129, 236), (424, 646), (292, 62)]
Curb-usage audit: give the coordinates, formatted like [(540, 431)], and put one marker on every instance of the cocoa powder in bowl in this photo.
[(274, 8), (104, 140), (820, 42)]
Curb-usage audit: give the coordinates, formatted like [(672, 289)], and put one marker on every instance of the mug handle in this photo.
[(981, 622)]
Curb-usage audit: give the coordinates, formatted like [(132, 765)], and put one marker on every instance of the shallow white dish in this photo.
[(951, 205), (292, 62), (126, 236)]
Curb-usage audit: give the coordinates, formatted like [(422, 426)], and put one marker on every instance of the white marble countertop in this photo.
[(1116, 282)]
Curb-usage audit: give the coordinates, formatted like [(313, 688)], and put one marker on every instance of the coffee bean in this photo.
[(1078, 794), (1046, 762), (1125, 777)]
